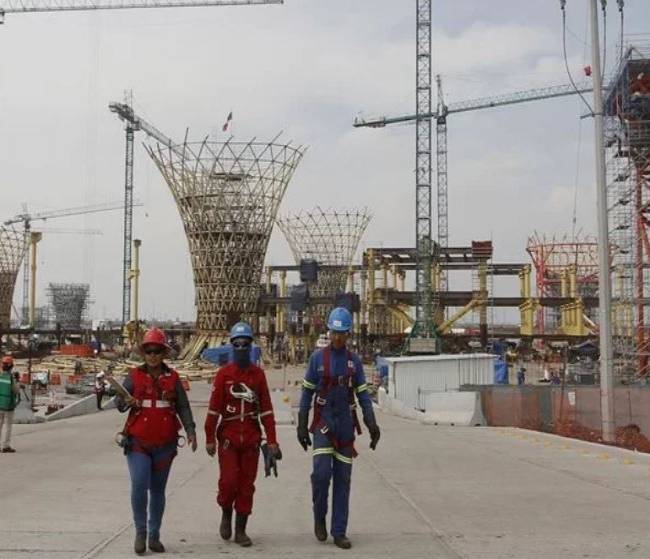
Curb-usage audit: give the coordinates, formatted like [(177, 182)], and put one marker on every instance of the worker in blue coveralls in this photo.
[(334, 377)]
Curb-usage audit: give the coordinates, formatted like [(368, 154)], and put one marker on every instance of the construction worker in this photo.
[(157, 401), (335, 375), (100, 388), (9, 390), (240, 399)]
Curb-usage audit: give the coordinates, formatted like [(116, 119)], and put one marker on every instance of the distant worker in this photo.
[(334, 375), (9, 390), (100, 388), (521, 376), (240, 399), (157, 401)]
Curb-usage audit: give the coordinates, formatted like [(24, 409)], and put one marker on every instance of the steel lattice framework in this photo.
[(627, 139), (12, 252), (70, 302), (331, 237), (552, 257), (227, 194)]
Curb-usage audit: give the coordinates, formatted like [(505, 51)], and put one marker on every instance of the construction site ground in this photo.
[(442, 492)]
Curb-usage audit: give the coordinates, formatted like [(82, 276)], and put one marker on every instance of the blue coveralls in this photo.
[(336, 414)]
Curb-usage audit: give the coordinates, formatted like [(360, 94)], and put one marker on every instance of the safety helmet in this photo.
[(8, 360), (339, 320), (154, 336), (241, 330)]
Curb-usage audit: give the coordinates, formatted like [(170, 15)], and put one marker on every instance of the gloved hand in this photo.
[(272, 454), (303, 430), (374, 435), (211, 448)]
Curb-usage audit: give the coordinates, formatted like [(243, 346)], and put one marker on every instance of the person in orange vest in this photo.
[(157, 400), (240, 399)]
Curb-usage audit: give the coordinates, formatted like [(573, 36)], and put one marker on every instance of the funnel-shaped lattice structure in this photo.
[(69, 302), (12, 252), (228, 194), (331, 237)]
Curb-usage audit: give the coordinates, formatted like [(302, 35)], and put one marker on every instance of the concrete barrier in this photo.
[(454, 408), (80, 407)]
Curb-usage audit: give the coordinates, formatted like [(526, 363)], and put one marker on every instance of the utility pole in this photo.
[(34, 238), (604, 283)]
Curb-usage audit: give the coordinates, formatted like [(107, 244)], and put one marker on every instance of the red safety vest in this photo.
[(155, 422)]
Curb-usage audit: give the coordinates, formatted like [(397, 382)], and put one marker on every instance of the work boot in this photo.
[(156, 546), (140, 545), (8, 449), (240, 531), (320, 529), (225, 528), (342, 542)]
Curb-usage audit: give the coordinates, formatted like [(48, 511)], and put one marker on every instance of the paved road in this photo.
[(427, 492)]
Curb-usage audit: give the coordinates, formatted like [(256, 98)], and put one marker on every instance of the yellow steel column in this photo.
[(135, 276), (280, 308), (34, 238)]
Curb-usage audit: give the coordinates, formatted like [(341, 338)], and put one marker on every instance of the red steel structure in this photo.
[(551, 260)]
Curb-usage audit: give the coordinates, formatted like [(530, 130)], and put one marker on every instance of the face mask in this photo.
[(242, 356)]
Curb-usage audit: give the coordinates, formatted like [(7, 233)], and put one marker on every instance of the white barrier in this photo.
[(454, 408), (80, 407), (412, 379)]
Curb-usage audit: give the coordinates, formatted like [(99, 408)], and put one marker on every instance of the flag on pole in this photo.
[(227, 123)]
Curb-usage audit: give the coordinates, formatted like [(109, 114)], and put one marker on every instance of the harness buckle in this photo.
[(321, 401)]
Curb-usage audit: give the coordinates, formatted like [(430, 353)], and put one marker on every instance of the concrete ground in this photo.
[(426, 492)]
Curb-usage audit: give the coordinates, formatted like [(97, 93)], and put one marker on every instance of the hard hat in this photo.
[(154, 336), (339, 320), (8, 360), (241, 330), (101, 374)]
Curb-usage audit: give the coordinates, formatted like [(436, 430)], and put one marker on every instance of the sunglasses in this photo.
[(241, 343), (154, 351)]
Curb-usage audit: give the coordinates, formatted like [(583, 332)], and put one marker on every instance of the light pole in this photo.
[(604, 283)]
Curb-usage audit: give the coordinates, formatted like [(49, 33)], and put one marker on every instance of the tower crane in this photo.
[(26, 219), (133, 122), (423, 189), (32, 6)]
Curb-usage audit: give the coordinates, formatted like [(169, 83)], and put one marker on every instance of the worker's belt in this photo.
[(155, 404), (242, 416), (343, 380)]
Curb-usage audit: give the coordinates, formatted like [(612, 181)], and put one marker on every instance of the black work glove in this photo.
[(373, 429), (303, 431), (271, 454)]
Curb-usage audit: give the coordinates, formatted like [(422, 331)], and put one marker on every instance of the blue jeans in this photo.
[(149, 472)]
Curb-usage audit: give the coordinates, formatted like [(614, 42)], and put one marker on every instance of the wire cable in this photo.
[(566, 62)]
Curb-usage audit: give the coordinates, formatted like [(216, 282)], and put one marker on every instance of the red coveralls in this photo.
[(239, 433)]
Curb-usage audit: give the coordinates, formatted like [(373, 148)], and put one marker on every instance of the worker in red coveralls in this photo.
[(240, 398), (150, 437)]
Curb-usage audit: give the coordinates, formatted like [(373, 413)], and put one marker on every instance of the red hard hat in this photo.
[(8, 360), (154, 336)]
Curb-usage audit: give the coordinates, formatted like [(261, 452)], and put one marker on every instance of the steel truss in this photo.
[(228, 194), (627, 139), (69, 302), (12, 252), (331, 237)]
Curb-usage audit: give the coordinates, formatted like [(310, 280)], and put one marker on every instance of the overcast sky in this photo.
[(306, 68)]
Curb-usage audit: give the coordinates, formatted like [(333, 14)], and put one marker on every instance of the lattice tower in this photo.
[(331, 237), (627, 139), (69, 302), (227, 194), (551, 258), (12, 252)]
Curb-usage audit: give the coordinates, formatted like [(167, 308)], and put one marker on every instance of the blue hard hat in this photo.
[(241, 330), (339, 320)]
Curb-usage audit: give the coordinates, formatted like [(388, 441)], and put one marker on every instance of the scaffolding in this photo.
[(554, 260), (69, 302), (331, 238), (12, 252), (227, 194), (627, 140)]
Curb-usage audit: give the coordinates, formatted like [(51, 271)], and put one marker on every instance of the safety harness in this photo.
[(327, 381)]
